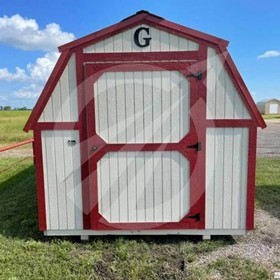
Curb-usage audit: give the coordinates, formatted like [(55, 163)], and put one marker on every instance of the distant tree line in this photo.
[(9, 108)]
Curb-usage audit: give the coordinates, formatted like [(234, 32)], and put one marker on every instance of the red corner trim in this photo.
[(143, 18), (40, 180), (251, 178), (47, 91), (245, 94)]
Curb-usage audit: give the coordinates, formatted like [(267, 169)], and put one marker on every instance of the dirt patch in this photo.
[(261, 245), (268, 144), (17, 153)]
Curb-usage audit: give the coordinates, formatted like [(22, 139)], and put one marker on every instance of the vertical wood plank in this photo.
[(166, 178), (118, 43), (210, 177), (148, 107), (64, 95), (156, 103), (129, 107), (175, 186), (69, 179), (114, 187), (211, 84), (51, 179), (139, 107), (185, 186), (46, 182), (131, 186), (175, 105), (111, 108), (123, 186), (228, 176), (140, 187), (244, 172), (77, 181), (120, 107), (102, 106), (219, 174), (60, 175), (149, 186), (164, 41), (184, 108), (166, 104), (158, 191)]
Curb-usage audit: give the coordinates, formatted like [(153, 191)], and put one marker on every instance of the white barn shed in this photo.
[(269, 106), (145, 127)]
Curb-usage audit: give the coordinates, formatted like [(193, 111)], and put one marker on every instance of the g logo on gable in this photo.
[(137, 39)]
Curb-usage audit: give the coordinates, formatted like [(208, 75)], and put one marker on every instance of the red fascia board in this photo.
[(143, 18), (47, 91), (252, 107)]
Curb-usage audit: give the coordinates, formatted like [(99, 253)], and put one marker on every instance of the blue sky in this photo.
[(30, 32)]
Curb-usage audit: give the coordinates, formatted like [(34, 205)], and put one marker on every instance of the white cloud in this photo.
[(37, 72), (269, 54), (18, 75), (24, 33), (3, 98), (41, 69), (30, 92)]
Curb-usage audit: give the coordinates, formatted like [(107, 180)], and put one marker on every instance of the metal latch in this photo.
[(197, 75), (195, 217), (196, 146), (72, 142)]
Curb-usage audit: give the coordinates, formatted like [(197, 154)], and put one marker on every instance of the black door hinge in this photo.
[(197, 75), (196, 146), (195, 217)]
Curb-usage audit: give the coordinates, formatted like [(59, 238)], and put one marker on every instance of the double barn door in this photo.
[(143, 146)]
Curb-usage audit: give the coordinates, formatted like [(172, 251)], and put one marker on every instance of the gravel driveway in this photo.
[(269, 139)]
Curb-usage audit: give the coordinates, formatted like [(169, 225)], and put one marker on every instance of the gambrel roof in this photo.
[(144, 17)]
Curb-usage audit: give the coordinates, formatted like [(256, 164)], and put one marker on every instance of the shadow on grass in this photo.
[(268, 199), (19, 218), (18, 206)]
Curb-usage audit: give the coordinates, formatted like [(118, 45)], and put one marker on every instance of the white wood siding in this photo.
[(226, 177), (63, 103), (124, 42), (62, 180), (142, 107), (143, 186), (223, 99)]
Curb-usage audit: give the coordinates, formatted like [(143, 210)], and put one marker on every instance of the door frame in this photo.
[(92, 72)]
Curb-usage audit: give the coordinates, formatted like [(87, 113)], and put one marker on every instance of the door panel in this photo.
[(142, 107), (143, 187), (140, 123)]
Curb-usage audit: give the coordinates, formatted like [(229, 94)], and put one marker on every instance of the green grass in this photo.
[(268, 185), (26, 254), (11, 127), (270, 117)]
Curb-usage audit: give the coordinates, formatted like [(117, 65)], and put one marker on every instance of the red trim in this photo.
[(251, 176), (57, 126), (243, 90), (229, 123), (40, 180), (82, 106), (16, 145), (95, 69), (141, 56), (139, 19), (48, 90)]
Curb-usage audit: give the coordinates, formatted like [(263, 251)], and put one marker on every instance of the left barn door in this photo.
[(139, 124)]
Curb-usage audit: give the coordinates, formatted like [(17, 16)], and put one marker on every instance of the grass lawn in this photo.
[(26, 254), (270, 117), (11, 127)]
